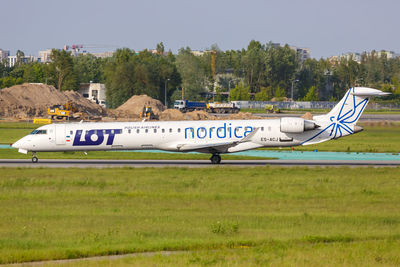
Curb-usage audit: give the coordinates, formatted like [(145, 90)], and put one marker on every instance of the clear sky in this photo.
[(326, 27)]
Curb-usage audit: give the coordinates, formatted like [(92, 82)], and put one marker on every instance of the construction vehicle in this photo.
[(185, 105), (147, 113), (272, 109), (222, 108), (62, 112)]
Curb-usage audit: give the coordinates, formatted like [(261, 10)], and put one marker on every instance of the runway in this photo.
[(98, 163)]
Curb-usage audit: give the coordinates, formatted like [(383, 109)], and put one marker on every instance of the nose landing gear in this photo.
[(34, 158), (215, 159)]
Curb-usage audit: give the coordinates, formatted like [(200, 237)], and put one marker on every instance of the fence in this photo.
[(306, 105)]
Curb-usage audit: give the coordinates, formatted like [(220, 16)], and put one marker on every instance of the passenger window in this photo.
[(137, 131), (146, 131), (155, 130), (170, 130), (262, 129), (129, 131), (179, 130), (71, 132), (163, 130)]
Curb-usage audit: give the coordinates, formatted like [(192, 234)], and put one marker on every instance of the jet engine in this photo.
[(297, 125)]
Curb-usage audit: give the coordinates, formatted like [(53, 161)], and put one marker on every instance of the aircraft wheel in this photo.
[(215, 159), (35, 159)]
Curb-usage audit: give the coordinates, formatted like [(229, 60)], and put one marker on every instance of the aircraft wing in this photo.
[(212, 147)]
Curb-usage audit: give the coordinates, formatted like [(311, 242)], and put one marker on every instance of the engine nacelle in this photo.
[(297, 125)]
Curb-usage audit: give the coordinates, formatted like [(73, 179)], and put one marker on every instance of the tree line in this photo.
[(260, 72)]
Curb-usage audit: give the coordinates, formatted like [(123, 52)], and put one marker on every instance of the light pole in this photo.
[(165, 92), (229, 91), (291, 94)]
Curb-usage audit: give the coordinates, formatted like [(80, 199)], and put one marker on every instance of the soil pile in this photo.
[(243, 116), (200, 115), (33, 100), (134, 106), (172, 115), (307, 116)]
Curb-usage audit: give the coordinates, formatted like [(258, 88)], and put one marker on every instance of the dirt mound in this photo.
[(307, 116), (243, 116), (134, 106), (200, 115), (30, 100), (172, 115)]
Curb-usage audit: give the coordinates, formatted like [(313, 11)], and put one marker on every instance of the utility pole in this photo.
[(291, 94), (165, 93)]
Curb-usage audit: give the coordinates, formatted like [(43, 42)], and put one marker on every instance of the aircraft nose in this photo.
[(17, 144)]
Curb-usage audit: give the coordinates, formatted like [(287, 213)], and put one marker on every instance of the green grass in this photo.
[(356, 253), (12, 131), (115, 155), (284, 215)]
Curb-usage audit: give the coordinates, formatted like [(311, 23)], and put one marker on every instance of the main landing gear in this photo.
[(34, 158), (215, 159)]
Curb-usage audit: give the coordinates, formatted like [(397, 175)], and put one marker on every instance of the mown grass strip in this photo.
[(68, 213)]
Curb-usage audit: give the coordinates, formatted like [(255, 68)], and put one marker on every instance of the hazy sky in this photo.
[(326, 27)]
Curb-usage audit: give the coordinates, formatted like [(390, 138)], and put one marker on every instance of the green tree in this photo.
[(254, 66), (279, 93), (88, 68), (20, 55), (281, 64), (240, 92), (61, 69), (312, 94), (119, 76), (34, 73), (265, 94), (128, 73), (160, 48), (194, 78)]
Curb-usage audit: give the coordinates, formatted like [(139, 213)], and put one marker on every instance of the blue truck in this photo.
[(186, 105)]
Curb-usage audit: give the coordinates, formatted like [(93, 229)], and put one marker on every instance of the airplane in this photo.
[(215, 137)]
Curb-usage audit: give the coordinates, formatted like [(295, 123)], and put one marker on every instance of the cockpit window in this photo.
[(39, 132)]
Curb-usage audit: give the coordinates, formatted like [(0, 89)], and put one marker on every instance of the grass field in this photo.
[(236, 216)]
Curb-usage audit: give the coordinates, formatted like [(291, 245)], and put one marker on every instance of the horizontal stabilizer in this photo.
[(365, 91)]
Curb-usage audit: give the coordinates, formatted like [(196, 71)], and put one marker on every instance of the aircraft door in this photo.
[(60, 134)]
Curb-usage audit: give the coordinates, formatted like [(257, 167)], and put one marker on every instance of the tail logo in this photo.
[(349, 113)]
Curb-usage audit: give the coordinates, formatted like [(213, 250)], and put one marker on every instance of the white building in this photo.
[(304, 53), (12, 60), (95, 92), (44, 56)]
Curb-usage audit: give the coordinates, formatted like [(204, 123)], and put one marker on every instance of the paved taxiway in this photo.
[(95, 163)]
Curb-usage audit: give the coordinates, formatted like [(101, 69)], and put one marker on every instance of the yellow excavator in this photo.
[(62, 112), (148, 113)]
